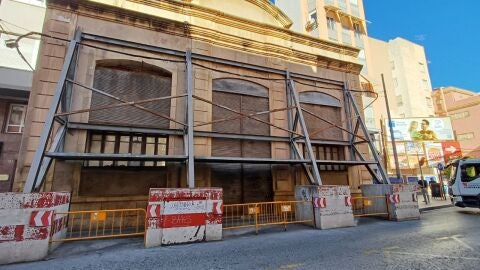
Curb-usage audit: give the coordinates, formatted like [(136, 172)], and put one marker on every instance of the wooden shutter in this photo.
[(130, 85), (226, 148), (331, 114), (251, 105)]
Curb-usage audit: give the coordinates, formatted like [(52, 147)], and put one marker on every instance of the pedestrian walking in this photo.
[(423, 186)]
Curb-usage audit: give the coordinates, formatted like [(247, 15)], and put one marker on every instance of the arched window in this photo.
[(131, 81)]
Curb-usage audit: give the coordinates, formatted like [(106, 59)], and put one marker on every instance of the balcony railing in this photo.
[(346, 37)]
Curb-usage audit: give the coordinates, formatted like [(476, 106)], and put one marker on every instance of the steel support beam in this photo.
[(308, 144), (33, 173), (349, 120), (96, 127), (57, 145), (279, 161), (383, 174), (189, 136), (368, 166), (105, 156)]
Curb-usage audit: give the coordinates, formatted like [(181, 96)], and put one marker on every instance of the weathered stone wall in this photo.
[(62, 19)]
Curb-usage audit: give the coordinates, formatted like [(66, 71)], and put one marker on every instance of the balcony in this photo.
[(346, 36), (311, 25), (359, 41), (332, 34), (366, 86)]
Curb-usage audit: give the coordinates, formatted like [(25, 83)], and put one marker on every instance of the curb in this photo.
[(435, 207)]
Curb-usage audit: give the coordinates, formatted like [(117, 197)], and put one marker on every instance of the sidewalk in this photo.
[(435, 203)]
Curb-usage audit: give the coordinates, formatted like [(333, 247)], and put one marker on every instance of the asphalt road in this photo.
[(443, 239)]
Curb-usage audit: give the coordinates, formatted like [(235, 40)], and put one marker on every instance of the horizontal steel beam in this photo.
[(132, 157), (180, 132), (102, 156), (279, 161), (98, 127), (240, 136)]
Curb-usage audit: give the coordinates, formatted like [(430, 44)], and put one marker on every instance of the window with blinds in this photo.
[(325, 107), (131, 81)]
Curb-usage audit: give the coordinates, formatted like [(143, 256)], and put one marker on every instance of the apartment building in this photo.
[(17, 17), (212, 108), (402, 63), (463, 108)]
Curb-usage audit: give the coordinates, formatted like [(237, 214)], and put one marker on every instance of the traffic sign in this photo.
[(440, 166)]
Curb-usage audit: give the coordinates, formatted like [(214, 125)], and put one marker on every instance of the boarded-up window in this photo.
[(131, 81), (241, 183), (322, 106), (247, 98)]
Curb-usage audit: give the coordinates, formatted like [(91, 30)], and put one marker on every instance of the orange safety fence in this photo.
[(266, 213), (96, 224)]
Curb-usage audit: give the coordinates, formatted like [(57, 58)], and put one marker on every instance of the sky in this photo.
[(449, 30)]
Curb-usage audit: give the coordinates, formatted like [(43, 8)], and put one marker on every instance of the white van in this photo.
[(465, 182)]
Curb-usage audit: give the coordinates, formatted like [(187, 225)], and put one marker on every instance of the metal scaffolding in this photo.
[(60, 110)]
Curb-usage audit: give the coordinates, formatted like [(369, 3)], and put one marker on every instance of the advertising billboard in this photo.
[(421, 129), (434, 152)]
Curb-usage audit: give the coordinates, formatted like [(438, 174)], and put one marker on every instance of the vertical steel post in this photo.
[(190, 146), (289, 118), (308, 143), (349, 120), (32, 177), (394, 147), (369, 140)]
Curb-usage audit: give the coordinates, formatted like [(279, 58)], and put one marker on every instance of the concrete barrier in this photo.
[(25, 224), (332, 207), (177, 216), (401, 199)]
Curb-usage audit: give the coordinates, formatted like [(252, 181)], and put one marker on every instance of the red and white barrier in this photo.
[(332, 206), (183, 215), (319, 202), (394, 198), (401, 202), (348, 201), (27, 223)]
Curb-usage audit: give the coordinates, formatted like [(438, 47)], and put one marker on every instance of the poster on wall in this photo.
[(421, 129), (402, 162), (434, 153)]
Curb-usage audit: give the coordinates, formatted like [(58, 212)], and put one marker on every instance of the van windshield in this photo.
[(470, 172)]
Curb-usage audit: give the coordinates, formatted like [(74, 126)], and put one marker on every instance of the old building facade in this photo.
[(188, 94)]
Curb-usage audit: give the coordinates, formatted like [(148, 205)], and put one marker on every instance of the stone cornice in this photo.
[(470, 103), (274, 11), (155, 23), (251, 26)]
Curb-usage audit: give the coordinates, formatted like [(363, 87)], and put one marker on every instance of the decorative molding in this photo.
[(184, 29)]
